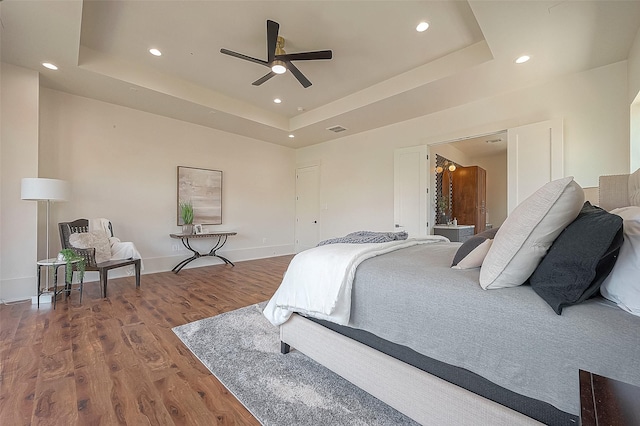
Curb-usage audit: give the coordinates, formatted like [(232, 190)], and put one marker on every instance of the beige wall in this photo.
[(122, 166), (635, 136), (18, 159), (634, 100), (633, 64), (357, 171)]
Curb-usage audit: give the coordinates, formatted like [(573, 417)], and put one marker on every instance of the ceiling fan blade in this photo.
[(306, 56), (261, 80), (272, 39), (245, 57), (297, 74)]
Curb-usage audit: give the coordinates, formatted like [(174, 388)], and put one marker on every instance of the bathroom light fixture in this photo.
[(448, 165), (522, 59)]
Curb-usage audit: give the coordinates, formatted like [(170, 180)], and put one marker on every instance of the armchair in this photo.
[(89, 254)]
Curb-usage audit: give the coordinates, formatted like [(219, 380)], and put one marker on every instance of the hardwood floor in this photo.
[(116, 361)]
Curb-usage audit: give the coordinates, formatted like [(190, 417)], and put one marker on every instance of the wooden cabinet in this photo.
[(469, 195)]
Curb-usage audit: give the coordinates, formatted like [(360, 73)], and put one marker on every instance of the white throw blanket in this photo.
[(318, 281), (119, 250)]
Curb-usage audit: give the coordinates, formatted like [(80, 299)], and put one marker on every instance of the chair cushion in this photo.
[(93, 239)]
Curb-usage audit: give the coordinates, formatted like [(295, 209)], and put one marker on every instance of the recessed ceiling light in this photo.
[(422, 26), (155, 52), (49, 65), (292, 136), (522, 59), (277, 100)]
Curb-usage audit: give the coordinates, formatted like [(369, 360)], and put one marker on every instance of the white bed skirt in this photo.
[(427, 399)]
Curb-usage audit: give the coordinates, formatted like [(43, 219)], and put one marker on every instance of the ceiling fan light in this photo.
[(278, 67)]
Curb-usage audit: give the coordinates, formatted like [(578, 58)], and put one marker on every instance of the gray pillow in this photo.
[(580, 258), (473, 242)]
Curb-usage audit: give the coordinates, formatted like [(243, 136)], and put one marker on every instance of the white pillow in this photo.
[(528, 232), (475, 258), (622, 286), (93, 239)]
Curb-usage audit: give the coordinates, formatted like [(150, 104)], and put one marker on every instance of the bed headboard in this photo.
[(619, 191)]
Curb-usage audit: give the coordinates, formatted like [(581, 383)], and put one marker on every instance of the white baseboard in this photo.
[(167, 263), (13, 290), (17, 289), (44, 298)]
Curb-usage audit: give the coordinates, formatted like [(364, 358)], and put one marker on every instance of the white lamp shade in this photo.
[(45, 189)]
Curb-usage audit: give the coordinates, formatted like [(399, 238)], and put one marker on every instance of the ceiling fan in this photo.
[(278, 60)]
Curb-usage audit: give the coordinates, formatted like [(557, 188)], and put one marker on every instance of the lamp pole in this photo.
[(42, 189)]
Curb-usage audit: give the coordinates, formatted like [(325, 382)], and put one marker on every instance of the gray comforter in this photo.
[(509, 336)]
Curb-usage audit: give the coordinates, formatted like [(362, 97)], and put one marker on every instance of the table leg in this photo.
[(55, 286), (39, 289), (196, 254), (221, 242), (222, 239)]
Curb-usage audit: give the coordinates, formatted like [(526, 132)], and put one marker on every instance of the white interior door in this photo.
[(411, 183), (307, 228), (534, 157)]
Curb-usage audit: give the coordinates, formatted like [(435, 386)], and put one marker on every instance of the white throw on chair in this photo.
[(94, 240)]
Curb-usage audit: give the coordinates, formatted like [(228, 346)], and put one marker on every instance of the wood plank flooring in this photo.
[(115, 361)]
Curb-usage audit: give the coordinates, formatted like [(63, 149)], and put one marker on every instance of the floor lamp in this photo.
[(41, 189)]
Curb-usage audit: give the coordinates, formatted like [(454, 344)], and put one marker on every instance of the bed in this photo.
[(460, 346)]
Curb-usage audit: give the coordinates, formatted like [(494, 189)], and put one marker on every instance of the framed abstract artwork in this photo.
[(203, 189)]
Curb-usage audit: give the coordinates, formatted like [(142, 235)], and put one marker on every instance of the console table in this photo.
[(221, 240)]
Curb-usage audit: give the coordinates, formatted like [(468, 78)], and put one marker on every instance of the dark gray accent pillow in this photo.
[(580, 258), (473, 242)]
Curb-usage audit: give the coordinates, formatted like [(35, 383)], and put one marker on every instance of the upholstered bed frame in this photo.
[(420, 395)]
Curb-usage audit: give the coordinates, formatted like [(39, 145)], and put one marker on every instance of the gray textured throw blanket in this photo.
[(362, 237)]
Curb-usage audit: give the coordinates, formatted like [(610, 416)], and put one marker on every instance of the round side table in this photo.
[(54, 263)]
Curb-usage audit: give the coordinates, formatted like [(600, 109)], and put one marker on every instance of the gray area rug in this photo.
[(242, 349)]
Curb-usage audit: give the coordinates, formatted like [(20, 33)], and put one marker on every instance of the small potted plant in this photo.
[(186, 213), (72, 258), (443, 209)]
